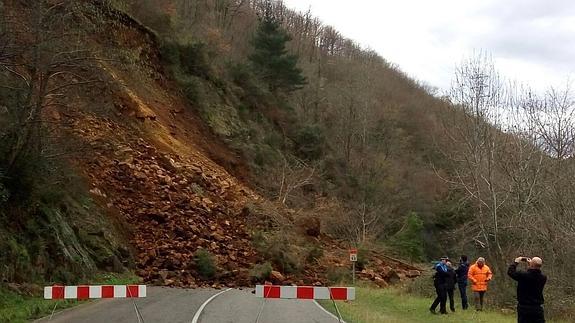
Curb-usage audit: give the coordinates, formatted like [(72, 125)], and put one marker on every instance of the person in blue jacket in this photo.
[(439, 281), (461, 273)]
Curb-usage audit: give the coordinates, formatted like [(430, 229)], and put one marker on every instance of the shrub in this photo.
[(314, 253), (192, 89), (278, 251), (362, 259), (409, 240), (205, 264), (337, 275), (421, 286), (261, 272), (189, 59), (253, 92), (309, 142)]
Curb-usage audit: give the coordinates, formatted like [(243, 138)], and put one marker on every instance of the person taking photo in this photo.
[(530, 284)]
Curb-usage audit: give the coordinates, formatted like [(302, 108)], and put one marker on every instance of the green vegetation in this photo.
[(50, 230), (409, 240), (277, 249), (271, 59), (205, 264), (338, 275), (261, 272), (394, 306), (15, 308)]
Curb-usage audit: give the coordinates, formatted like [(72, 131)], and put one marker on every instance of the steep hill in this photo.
[(179, 146)]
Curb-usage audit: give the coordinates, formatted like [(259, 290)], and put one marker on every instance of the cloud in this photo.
[(532, 40)]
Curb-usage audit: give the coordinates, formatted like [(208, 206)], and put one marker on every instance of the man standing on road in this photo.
[(480, 274), (439, 280), (461, 272), (530, 286)]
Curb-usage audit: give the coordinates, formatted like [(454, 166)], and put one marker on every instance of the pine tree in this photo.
[(271, 59)]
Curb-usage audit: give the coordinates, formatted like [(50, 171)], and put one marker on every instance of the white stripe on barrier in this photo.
[(351, 293), (142, 291), (70, 292), (95, 291), (47, 292), (259, 291), (288, 292), (321, 293), (119, 291)]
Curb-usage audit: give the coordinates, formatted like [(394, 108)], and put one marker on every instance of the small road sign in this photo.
[(353, 255), (353, 259)]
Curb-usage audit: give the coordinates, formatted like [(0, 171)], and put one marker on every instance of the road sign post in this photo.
[(353, 259)]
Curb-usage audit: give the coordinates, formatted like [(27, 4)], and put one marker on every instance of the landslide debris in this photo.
[(174, 206)]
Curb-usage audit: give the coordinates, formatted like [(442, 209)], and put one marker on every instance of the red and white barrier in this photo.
[(305, 292), (86, 292)]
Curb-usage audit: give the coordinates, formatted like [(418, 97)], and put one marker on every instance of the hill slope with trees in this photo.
[(209, 142)]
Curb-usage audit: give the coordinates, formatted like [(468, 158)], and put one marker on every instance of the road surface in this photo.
[(172, 305)]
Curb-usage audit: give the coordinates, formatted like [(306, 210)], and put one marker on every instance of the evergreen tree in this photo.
[(271, 59)]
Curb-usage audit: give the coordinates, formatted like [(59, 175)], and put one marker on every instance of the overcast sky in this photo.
[(531, 41)]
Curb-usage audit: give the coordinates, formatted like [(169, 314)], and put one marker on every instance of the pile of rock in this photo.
[(175, 207), (387, 275)]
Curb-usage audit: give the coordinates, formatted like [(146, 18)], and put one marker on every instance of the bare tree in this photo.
[(473, 126), (295, 174), (40, 69)]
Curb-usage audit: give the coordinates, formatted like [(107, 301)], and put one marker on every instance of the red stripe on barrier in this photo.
[(305, 292), (83, 292), (57, 292), (338, 293), (132, 291), (272, 291), (107, 291)]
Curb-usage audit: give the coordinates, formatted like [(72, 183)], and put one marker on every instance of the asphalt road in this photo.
[(172, 305)]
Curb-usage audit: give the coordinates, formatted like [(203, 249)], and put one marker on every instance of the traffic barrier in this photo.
[(305, 292), (88, 292)]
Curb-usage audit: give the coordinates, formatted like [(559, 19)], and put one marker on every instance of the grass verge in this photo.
[(16, 308), (394, 306)]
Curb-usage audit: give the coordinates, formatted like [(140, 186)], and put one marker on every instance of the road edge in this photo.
[(328, 312)]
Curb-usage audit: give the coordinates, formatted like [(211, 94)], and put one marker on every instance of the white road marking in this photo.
[(199, 312), (328, 312)]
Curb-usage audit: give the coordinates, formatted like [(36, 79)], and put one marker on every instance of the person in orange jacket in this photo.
[(479, 274)]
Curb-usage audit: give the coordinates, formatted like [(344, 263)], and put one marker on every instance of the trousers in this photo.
[(441, 298), (530, 314), (463, 292), (478, 300)]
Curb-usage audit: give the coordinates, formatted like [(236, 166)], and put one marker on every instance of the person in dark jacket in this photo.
[(440, 289), (530, 286), (461, 273), (450, 285)]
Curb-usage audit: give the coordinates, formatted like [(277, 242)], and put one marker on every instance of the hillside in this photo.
[(156, 175), (211, 143)]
